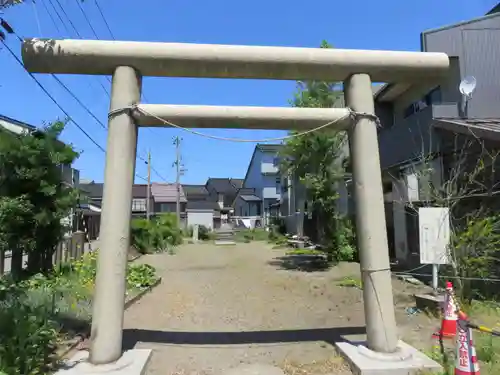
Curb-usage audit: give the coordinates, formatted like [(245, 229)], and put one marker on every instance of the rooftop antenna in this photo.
[(467, 87)]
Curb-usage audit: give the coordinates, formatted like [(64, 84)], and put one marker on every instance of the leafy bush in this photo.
[(276, 237), (36, 312), (188, 232), (141, 235), (474, 253), (141, 276), (167, 232), (28, 334), (158, 234), (345, 249), (203, 233), (278, 225), (33, 199)]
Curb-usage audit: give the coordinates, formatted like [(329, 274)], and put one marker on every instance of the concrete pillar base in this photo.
[(405, 361), (132, 362)]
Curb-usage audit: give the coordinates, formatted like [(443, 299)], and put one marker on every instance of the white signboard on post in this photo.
[(434, 235)]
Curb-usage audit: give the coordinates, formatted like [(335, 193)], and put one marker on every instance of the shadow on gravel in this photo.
[(303, 262), (330, 335)]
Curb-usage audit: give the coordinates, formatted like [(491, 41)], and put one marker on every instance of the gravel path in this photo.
[(218, 307)]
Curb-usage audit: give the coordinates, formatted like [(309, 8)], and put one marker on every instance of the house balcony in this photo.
[(269, 169)]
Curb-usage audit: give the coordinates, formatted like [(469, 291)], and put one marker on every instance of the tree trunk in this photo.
[(34, 263), (16, 265)]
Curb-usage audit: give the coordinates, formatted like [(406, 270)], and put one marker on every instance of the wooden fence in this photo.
[(69, 248)]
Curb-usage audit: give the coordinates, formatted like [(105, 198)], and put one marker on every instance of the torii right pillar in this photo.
[(383, 352)]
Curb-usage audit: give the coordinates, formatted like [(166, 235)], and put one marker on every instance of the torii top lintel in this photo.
[(99, 57)]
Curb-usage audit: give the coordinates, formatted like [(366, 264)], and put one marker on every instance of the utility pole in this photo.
[(178, 172), (148, 194)]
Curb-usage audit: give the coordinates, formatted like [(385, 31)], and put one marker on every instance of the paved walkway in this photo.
[(219, 307)]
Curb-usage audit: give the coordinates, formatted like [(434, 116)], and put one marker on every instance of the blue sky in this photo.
[(363, 24)]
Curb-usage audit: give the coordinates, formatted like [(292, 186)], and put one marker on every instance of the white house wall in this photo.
[(200, 217)]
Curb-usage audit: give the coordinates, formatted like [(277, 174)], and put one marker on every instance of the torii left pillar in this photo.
[(109, 298)]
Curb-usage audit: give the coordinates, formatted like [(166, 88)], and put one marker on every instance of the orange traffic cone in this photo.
[(449, 322), (466, 362)]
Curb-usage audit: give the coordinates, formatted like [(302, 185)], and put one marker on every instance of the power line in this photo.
[(113, 37), (104, 19), (69, 19), (79, 102), (69, 33), (50, 16), (86, 18), (107, 78), (68, 90), (52, 98), (35, 11), (58, 16), (57, 104)]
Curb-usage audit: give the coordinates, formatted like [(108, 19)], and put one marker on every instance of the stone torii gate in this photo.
[(411, 72)]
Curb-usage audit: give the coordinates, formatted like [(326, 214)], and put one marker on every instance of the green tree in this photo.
[(33, 197), (8, 3), (316, 159)]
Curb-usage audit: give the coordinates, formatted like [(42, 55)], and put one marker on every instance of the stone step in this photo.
[(224, 242)]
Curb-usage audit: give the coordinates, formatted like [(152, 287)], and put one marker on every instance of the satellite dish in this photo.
[(467, 86)]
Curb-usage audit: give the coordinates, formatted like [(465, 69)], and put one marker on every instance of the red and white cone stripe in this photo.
[(466, 361)]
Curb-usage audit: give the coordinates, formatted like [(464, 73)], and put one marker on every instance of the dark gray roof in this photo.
[(237, 182), (166, 193), (190, 190), (487, 128), (227, 186), (248, 191), (140, 191), (201, 205), (220, 185), (250, 198), (95, 190)]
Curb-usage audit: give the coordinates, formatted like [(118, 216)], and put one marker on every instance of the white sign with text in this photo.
[(434, 235)]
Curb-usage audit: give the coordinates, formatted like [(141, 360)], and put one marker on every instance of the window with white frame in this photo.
[(138, 205)]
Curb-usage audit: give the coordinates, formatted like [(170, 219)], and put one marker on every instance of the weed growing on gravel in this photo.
[(305, 252), (351, 282), (249, 235)]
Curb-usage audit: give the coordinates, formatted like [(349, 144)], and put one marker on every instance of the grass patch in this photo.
[(311, 252), (249, 235), (351, 282)]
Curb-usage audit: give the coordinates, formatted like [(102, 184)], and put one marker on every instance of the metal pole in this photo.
[(370, 218), (178, 180), (148, 193), (109, 298), (435, 275)]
